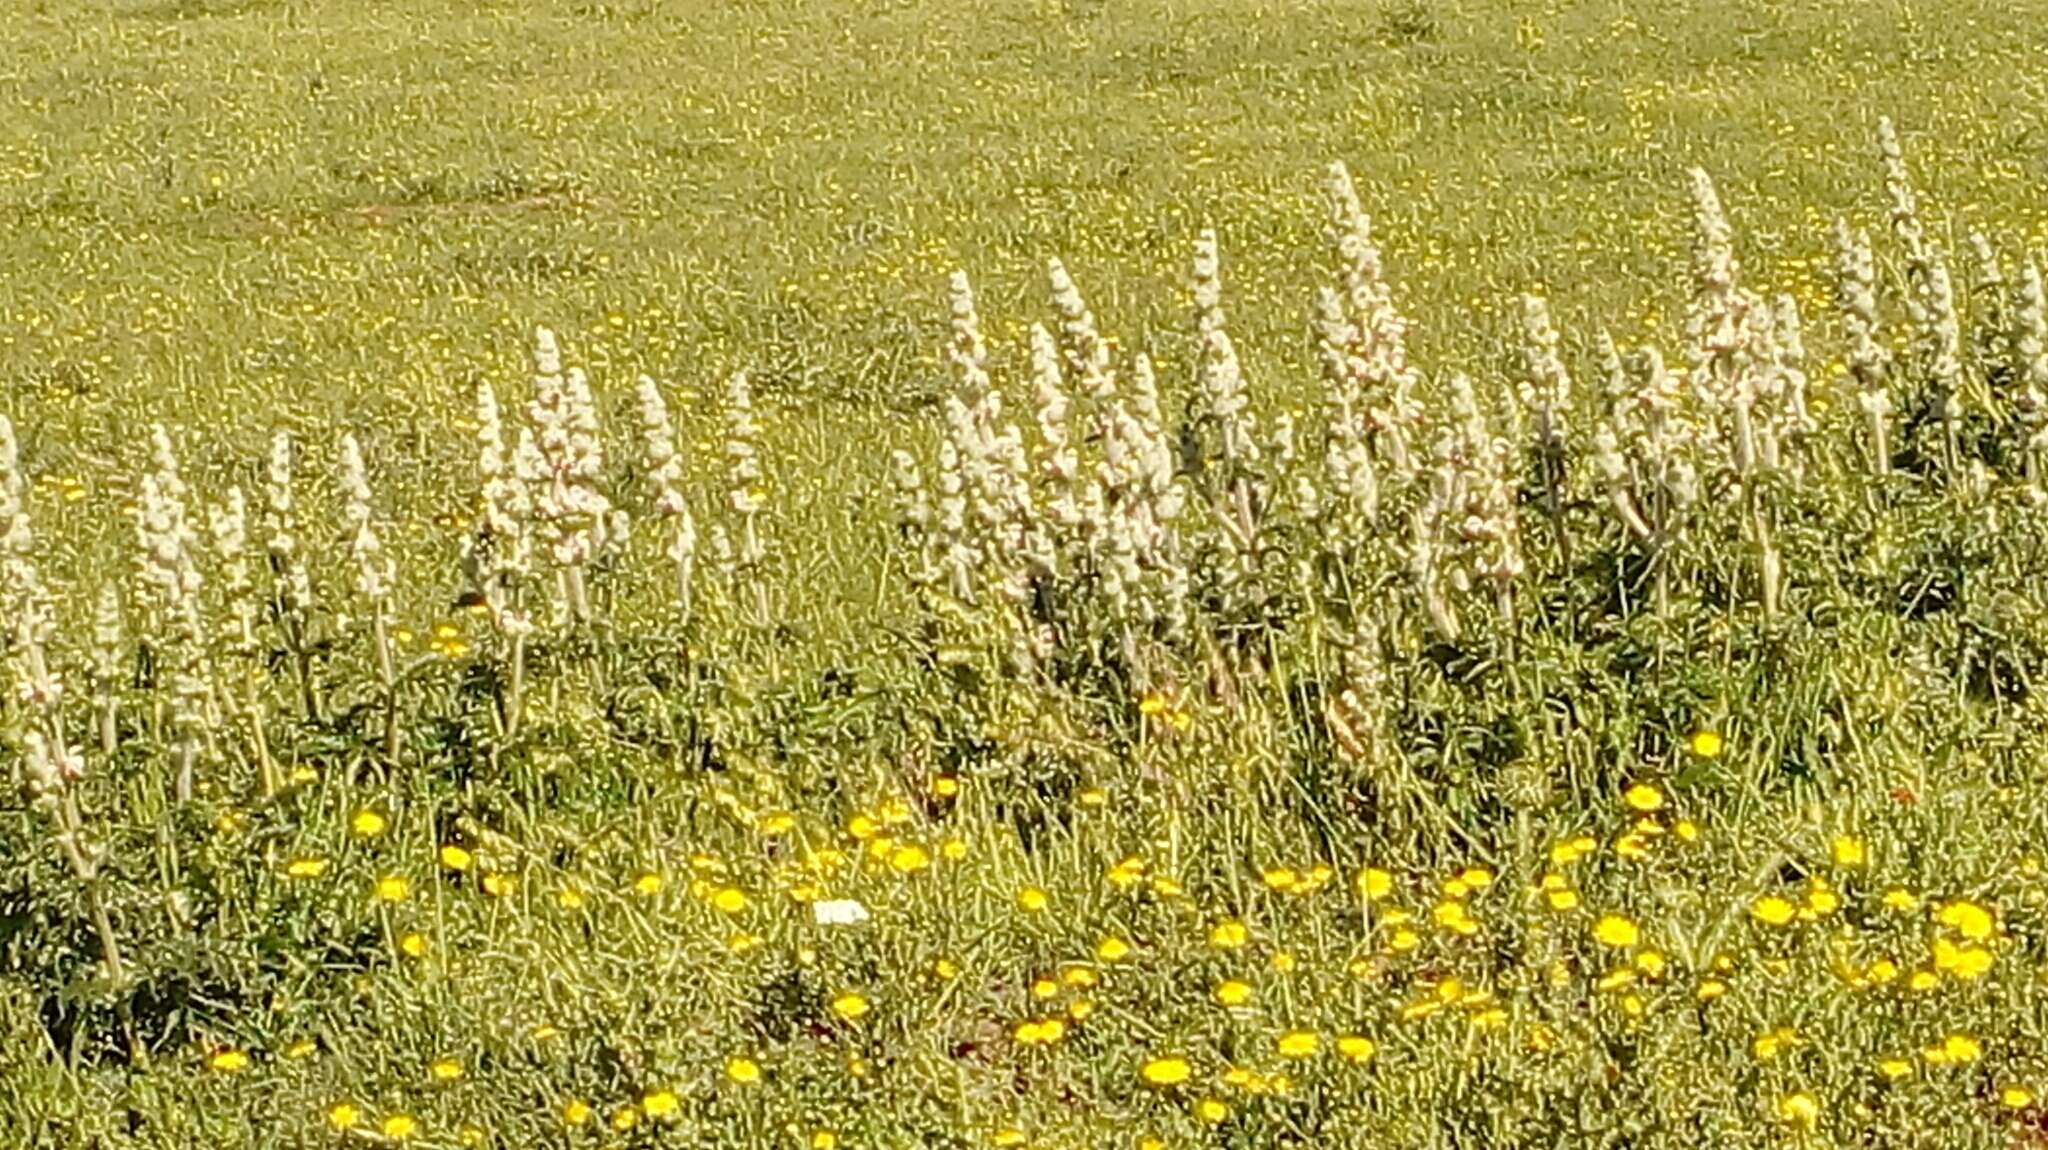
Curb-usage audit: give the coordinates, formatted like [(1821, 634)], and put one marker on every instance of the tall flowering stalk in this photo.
[(108, 651), (1930, 300), (240, 648), (1732, 351), (1868, 360), (171, 582), (1059, 464), (745, 498), (563, 464), (665, 481), (498, 556), (1545, 390), (46, 767), (1350, 477), (1375, 351), (913, 519), (1233, 488), (2030, 355), (291, 587), (373, 580), (26, 606)]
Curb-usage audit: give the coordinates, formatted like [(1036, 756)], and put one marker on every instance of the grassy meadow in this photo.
[(851, 681)]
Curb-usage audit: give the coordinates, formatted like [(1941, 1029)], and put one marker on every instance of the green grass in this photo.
[(236, 217)]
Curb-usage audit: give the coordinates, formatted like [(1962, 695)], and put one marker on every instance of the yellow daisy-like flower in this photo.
[(909, 859), (1112, 949), (1212, 1112), (730, 900), (306, 868), (1799, 1109), (343, 1116), (850, 1006), (1298, 1044), (1643, 797), (444, 1069), (1615, 931), (1229, 934), (575, 1112), (227, 1061), (1356, 1048), (414, 944), (1166, 1071), (2015, 1097), (1773, 910), (1706, 744), (646, 884), (1894, 1069), (1955, 1050), (1040, 1031), (399, 1127), (499, 885), (456, 858), (625, 1118), (1233, 993), (664, 1103), (1033, 899), (1848, 851), (1967, 919), (393, 888), (1375, 884), (744, 1071), (1127, 872), (367, 823), (1967, 963)]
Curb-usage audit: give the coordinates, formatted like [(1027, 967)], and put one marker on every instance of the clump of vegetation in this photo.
[(1634, 744)]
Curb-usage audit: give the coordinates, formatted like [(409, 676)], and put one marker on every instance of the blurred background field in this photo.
[(229, 215)]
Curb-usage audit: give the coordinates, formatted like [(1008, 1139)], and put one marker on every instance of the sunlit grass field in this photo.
[(1647, 758)]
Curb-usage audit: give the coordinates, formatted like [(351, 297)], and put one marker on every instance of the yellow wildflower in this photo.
[(1298, 1044), (1799, 1109), (1166, 1071), (1773, 910), (1848, 851), (1615, 931)]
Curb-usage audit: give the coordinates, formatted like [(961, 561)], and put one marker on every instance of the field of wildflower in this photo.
[(1049, 575)]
